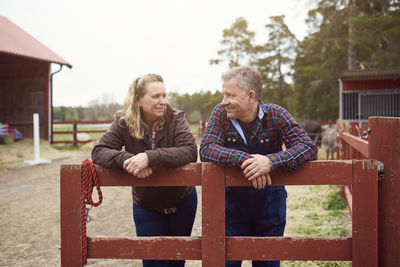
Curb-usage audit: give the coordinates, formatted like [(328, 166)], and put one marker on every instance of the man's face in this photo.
[(236, 102)]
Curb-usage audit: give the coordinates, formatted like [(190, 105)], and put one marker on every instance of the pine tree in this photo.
[(237, 42), (275, 59)]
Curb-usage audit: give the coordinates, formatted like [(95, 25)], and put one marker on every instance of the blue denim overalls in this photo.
[(254, 212)]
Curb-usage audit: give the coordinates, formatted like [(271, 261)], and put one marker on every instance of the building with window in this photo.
[(369, 93)]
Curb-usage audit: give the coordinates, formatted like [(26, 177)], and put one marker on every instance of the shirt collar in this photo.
[(261, 109)]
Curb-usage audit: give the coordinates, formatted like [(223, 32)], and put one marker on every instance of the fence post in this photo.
[(70, 211), (200, 128), (75, 135), (213, 213), (365, 213), (384, 145), (339, 141)]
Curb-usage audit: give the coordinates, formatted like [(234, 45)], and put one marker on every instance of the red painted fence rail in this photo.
[(213, 248), (383, 144)]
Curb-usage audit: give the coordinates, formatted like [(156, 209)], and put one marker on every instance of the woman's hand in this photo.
[(144, 173), (137, 164)]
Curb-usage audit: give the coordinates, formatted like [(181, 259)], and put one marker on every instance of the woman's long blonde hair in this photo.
[(131, 114)]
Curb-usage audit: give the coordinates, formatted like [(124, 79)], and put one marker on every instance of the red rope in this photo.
[(88, 176)]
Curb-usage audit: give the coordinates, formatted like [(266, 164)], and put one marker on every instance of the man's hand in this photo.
[(136, 164), (261, 181), (256, 167)]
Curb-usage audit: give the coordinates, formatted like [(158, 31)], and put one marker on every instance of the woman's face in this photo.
[(153, 103)]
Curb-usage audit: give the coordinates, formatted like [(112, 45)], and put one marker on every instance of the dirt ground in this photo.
[(30, 209)]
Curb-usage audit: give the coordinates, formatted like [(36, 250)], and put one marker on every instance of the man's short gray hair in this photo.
[(248, 78)]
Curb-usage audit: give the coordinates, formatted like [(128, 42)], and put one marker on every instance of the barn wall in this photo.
[(24, 87), (371, 85)]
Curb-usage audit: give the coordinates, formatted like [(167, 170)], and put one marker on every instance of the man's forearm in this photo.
[(222, 156), (293, 157)]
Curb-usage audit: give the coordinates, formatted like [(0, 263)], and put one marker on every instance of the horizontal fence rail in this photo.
[(74, 132), (213, 248), (356, 143), (199, 125)]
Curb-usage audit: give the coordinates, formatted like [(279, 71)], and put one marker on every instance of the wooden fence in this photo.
[(381, 143), (74, 132), (213, 247)]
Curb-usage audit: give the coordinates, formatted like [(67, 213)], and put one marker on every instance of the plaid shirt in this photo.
[(277, 125)]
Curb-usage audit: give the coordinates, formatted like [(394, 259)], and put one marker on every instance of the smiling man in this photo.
[(244, 132)]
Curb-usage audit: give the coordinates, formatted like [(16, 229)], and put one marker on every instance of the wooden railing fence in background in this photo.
[(74, 132)]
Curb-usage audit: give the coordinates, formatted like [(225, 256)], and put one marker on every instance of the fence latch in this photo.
[(380, 170), (363, 134)]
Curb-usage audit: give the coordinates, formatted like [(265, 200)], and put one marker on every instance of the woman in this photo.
[(153, 134)]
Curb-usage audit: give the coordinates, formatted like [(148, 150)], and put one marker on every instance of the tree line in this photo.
[(197, 106), (301, 76)]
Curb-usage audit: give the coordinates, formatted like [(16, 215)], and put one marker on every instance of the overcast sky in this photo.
[(110, 43)]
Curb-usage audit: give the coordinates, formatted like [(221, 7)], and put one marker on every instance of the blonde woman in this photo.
[(153, 134)]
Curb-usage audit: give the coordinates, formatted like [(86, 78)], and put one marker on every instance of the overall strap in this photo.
[(239, 128)]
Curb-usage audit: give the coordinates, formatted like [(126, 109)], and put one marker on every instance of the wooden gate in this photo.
[(213, 248), (381, 142)]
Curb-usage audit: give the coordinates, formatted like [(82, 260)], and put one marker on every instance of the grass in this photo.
[(334, 201), (69, 137), (316, 211), (67, 147)]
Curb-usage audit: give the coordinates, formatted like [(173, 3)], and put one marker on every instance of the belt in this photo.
[(168, 210)]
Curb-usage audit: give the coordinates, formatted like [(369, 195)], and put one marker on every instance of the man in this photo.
[(244, 132)]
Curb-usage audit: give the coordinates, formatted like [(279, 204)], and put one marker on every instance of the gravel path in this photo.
[(30, 214)]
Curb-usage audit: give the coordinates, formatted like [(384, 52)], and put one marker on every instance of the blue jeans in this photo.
[(255, 212), (153, 223)]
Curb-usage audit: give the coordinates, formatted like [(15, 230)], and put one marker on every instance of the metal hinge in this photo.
[(380, 170)]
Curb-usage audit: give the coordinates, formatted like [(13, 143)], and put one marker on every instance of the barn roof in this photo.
[(371, 74), (15, 41)]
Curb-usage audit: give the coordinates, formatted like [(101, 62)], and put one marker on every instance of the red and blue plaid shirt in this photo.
[(277, 124)]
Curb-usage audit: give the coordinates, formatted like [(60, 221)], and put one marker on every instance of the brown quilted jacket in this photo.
[(175, 146)]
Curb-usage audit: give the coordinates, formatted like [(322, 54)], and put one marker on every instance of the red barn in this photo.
[(369, 93), (25, 79)]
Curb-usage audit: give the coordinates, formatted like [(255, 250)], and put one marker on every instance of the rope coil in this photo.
[(88, 176)]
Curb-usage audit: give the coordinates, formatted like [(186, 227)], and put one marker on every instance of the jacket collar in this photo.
[(167, 117)]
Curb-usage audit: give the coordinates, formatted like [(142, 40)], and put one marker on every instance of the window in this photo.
[(364, 104)]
